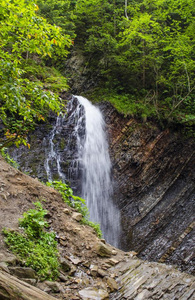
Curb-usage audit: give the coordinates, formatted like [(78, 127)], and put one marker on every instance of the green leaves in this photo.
[(68, 197), (23, 30), (23, 102), (9, 160), (33, 221), (35, 247), (76, 202)]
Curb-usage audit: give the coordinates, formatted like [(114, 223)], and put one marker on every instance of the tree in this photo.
[(60, 13), (157, 42), (141, 48), (23, 102)]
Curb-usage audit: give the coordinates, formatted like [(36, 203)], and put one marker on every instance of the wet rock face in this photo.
[(154, 188), (63, 159)]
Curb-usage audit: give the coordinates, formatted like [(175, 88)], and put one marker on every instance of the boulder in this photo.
[(93, 270), (113, 261), (112, 284), (23, 272), (103, 250), (9, 259), (77, 216), (65, 265), (102, 273), (54, 286), (66, 211), (93, 293)]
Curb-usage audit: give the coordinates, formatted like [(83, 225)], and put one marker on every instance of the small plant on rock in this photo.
[(35, 247)]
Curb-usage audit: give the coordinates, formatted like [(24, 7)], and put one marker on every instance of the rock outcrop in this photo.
[(14, 289), (140, 280), (154, 175)]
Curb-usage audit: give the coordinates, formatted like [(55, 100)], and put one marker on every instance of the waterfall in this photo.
[(96, 172), (89, 165)]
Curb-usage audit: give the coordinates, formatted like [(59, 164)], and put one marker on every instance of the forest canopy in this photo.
[(140, 52), (143, 51)]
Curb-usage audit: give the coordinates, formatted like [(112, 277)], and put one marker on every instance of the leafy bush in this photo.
[(76, 202), (35, 247)]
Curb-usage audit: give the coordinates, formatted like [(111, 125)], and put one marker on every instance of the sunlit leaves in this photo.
[(22, 33), (22, 30)]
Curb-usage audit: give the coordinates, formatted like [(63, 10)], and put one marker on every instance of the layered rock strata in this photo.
[(154, 176), (143, 280)]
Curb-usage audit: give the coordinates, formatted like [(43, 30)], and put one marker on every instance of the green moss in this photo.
[(62, 144)]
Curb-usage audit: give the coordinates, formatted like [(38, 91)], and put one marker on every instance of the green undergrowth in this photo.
[(8, 158), (143, 105), (48, 77), (34, 246), (127, 104), (76, 202)]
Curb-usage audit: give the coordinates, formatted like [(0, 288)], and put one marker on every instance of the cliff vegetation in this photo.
[(139, 55)]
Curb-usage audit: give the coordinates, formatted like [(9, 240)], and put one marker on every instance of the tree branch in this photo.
[(180, 102)]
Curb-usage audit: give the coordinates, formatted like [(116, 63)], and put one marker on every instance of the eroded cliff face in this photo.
[(154, 175)]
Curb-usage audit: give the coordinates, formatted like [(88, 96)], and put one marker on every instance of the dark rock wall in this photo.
[(154, 176), (33, 161)]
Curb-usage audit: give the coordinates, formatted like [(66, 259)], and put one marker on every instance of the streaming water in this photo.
[(96, 172), (53, 155)]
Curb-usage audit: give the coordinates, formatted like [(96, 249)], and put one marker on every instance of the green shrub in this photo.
[(35, 247), (94, 225), (76, 202)]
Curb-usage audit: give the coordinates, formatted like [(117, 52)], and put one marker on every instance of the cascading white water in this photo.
[(89, 167), (53, 155), (96, 178)]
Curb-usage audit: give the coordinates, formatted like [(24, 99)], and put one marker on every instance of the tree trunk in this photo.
[(15, 289)]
